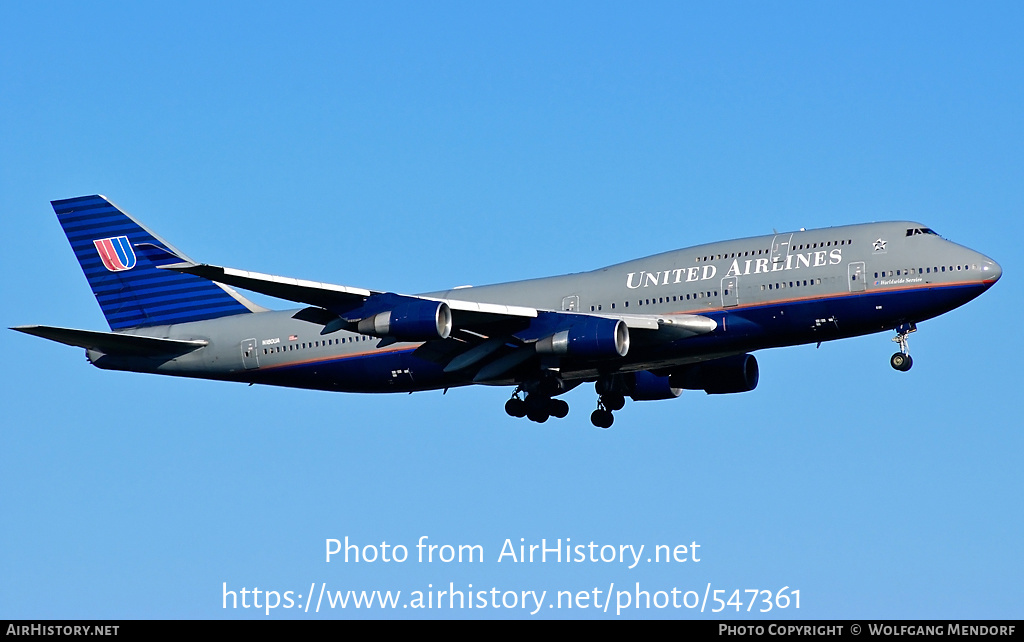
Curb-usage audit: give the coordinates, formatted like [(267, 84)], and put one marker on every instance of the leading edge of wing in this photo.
[(324, 295), (327, 295), (338, 298)]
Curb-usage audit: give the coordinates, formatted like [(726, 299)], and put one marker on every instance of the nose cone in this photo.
[(990, 271)]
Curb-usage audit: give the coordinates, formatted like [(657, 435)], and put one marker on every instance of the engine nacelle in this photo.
[(648, 386), (589, 338), (639, 386), (721, 376), (413, 321)]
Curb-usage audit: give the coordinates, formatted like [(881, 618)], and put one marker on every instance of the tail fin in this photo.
[(116, 254)]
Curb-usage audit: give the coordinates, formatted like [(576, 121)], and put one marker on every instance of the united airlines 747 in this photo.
[(645, 329)]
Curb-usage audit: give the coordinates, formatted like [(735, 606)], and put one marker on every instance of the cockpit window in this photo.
[(920, 230)]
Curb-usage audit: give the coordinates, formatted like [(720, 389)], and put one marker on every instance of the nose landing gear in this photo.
[(901, 360)]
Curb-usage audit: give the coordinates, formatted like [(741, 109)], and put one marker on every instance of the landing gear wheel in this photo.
[(537, 408), (901, 362), (515, 407), (558, 408), (602, 418), (537, 415), (613, 401)]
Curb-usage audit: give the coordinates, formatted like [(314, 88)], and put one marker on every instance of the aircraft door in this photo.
[(730, 292), (249, 358), (780, 247), (571, 303), (857, 279)]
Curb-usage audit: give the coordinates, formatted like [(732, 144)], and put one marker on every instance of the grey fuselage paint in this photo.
[(769, 291)]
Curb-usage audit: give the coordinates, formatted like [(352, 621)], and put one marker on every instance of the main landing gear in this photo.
[(901, 360), (536, 406), (606, 404), (535, 401)]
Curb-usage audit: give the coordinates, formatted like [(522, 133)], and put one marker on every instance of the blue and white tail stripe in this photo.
[(131, 290)]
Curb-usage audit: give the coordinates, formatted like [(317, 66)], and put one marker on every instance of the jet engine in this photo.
[(413, 321), (721, 376), (648, 386), (589, 338), (639, 386)]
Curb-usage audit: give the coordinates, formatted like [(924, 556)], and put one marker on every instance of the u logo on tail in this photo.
[(116, 252), (134, 292)]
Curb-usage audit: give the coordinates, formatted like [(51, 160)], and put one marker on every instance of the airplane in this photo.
[(645, 329)]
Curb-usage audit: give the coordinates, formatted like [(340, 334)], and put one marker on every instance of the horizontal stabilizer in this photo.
[(113, 342)]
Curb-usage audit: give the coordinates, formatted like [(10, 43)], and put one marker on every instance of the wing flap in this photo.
[(475, 354)]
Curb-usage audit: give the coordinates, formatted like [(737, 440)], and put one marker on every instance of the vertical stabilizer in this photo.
[(116, 254)]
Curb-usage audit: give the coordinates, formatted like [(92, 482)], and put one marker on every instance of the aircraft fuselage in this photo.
[(769, 291)]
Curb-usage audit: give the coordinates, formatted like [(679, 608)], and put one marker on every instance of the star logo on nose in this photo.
[(879, 245)]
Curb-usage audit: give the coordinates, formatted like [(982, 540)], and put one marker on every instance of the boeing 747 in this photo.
[(645, 329)]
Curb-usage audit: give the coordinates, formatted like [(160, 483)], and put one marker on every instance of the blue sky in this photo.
[(416, 146)]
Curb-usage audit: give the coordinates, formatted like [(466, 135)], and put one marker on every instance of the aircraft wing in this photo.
[(490, 339), (342, 297), (349, 303), (323, 295)]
